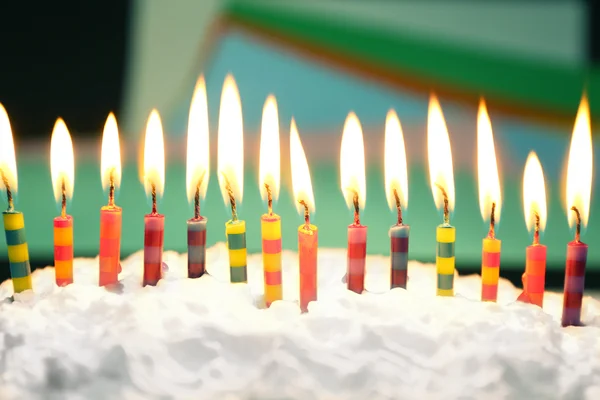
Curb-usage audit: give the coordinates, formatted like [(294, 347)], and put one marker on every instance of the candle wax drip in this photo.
[(398, 207), (446, 210), (234, 216), (356, 209), (536, 232), (306, 215), (492, 232), (9, 196), (63, 212), (154, 211), (269, 199), (578, 226)]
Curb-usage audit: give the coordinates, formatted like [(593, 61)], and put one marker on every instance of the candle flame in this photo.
[(154, 155), (579, 167), (231, 142), (534, 193), (352, 162), (198, 165), (110, 160), (301, 182), (396, 175), (487, 167), (441, 175), (8, 164), (62, 164), (269, 166)]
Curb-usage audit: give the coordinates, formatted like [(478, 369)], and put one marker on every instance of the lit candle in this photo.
[(110, 215), (534, 201), (396, 190), (154, 179), (230, 154), (441, 179), (308, 234), (352, 168), (579, 191), (489, 204), (62, 168), (269, 189), (197, 175), (14, 223)]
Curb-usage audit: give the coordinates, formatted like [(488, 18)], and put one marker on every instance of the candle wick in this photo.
[(269, 199), (154, 211), (398, 207), (446, 210), (63, 212), (536, 232), (197, 203), (306, 215), (578, 226), (111, 188), (234, 216), (9, 196), (197, 197), (492, 231), (356, 209)]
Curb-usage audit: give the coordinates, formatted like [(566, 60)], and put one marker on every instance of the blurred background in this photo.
[(530, 60)]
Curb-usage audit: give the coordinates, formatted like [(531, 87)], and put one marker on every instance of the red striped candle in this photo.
[(357, 252), (534, 279), (154, 228), (63, 250), (574, 283), (308, 243)]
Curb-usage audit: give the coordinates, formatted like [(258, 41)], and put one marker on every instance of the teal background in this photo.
[(319, 97)]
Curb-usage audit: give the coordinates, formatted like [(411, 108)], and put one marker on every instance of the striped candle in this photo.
[(236, 243), (63, 250), (574, 283), (271, 252), (196, 234), (18, 253), (490, 268), (399, 255), (308, 243), (154, 229), (357, 252), (534, 279), (444, 260), (110, 244)]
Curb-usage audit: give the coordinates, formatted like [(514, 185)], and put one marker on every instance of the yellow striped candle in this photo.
[(271, 252), (18, 252), (444, 261), (236, 244)]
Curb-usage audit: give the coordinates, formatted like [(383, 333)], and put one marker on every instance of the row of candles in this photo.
[(353, 184)]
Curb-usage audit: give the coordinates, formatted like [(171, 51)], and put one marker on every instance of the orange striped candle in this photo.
[(63, 250)]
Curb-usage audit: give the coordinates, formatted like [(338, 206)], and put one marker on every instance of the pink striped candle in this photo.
[(574, 283), (63, 250), (357, 252), (154, 228)]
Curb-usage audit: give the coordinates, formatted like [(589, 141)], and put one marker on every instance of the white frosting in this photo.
[(205, 338)]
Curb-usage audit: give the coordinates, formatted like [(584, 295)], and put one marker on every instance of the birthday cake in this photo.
[(206, 338)]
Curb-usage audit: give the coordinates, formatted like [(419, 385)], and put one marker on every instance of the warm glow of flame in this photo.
[(198, 165), (534, 192), (396, 175), (154, 155), (8, 164), (440, 155), (352, 162), (62, 163), (579, 167), (487, 167), (230, 154), (301, 182), (110, 162), (269, 150)]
